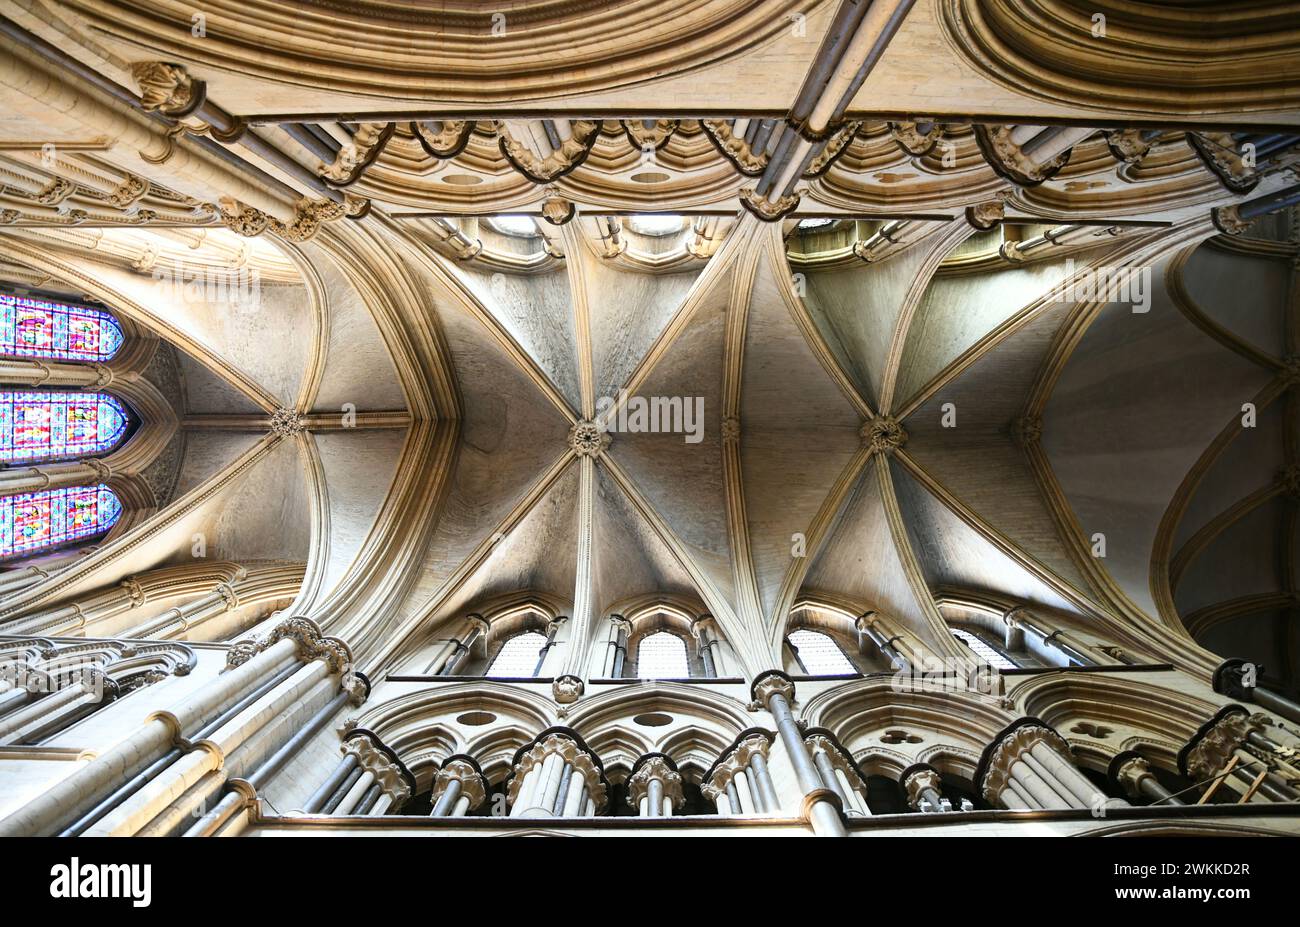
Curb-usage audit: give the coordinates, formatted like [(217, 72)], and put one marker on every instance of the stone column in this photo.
[(775, 690), (616, 634), (838, 773), (739, 782), (556, 757), (714, 648), (901, 650), (545, 655), (249, 663), (1234, 734), (923, 789), (209, 761), (88, 689), (384, 782), (452, 654), (459, 788), (1131, 773), (1239, 679), (1030, 766), (1071, 648), (655, 787)]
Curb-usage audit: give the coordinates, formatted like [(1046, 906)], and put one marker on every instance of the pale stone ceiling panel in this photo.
[(953, 554), (358, 365), (1251, 462), (630, 559), (358, 472), (628, 312), (269, 340), (1241, 561), (206, 393), (509, 434), (539, 555), (1258, 315), (537, 312), (1139, 401), (684, 481), (861, 559), (209, 452), (978, 460), (798, 432), (958, 310), (268, 517), (857, 310)]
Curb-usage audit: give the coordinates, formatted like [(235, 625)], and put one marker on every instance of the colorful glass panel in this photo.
[(38, 426), (31, 327), (42, 520)]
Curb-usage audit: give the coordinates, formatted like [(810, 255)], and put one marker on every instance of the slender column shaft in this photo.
[(447, 800), (319, 797), (825, 819)]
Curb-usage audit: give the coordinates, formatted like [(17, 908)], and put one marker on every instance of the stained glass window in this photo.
[(31, 327), (820, 655), (36, 425), (42, 520), (518, 657), (662, 656), (982, 650)]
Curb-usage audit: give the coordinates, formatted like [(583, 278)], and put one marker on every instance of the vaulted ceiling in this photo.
[(914, 398)]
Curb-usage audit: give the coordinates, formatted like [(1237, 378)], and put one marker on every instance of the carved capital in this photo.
[(472, 784), (917, 780), (768, 210), (1010, 748), (773, 682), (373, 758), (570, 752), (655, 767)]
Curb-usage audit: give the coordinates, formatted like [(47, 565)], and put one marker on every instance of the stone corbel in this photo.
[(1128, 145), (168, 88), (987, 215), (1219, 152), (556, 210), (567, 689), (909, 137), (766, 210), (1006, 158), (572, 152), (445, 142), (734, 148), (353, 158)]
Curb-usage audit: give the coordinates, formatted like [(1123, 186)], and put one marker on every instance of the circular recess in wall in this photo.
[(650, 177), (476, 718), (653, 719), (462, 180)]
